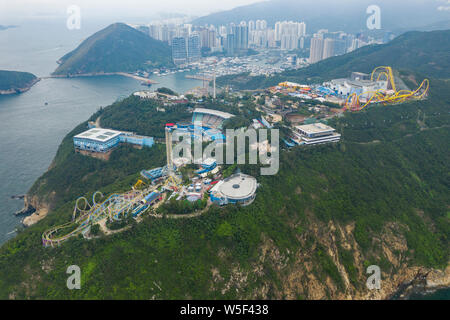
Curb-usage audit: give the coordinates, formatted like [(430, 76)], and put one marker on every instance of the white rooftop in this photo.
[(209, 161), (238, 186), (224, 115), (98, 134), (315, 128)]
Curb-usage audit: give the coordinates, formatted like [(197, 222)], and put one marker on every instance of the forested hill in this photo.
[(14, 81), (427, 53), (380, 197), (117, 48), (346, 15)]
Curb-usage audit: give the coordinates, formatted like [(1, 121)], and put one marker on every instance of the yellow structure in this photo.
[(293, 85), (389, 96), (138, 184)]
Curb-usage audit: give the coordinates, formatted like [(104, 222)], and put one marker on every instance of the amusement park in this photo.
[(388, 94), (308, 108), (158, 185), (358, 91)]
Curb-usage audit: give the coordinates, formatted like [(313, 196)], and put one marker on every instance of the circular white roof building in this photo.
[(238, 188)]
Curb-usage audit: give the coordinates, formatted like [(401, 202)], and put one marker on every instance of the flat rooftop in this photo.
[(220, 114), (315, 128), (98, 134), (354, 83), (238, 186)]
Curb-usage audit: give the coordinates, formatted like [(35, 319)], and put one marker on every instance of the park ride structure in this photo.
[(390, 95), (173, 181), (114, 208), (117, 206)]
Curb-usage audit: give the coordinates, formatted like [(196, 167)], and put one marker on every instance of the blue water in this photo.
[(30, 131), (443, 294)]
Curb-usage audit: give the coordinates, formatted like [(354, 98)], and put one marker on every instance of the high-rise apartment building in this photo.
[(230, 42), (316, 51), (240, 37), (194, 52), (179, 50), (251, 26), (328, 48), (289, 42)]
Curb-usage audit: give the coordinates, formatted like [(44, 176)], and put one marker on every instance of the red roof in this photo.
[(170, 124)]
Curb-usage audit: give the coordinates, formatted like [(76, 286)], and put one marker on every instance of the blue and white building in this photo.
[(103, 140), (97, 140), (206, 125), (207, 166), (137, 140), (209, 118)]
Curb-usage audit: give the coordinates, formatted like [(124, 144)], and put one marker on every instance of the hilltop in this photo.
[(117, 48), (427, 53), (378, 197), (16, 82), (346, 15)]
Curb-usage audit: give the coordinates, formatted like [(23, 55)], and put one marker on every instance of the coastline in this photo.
[(81, 75), (96, 74), (20, 90), (425, 282)]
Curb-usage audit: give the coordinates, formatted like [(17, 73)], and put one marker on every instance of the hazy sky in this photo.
[(130, 11), (11, 10)]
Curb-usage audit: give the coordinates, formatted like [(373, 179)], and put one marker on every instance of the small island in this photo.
[(12, 82)]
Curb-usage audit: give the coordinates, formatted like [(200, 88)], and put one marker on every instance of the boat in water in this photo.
[(146, 83)]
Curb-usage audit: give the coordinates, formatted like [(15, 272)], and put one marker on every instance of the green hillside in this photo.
[(427, 53), (117, 48), (388, 180), (379, 196), (14, 80)]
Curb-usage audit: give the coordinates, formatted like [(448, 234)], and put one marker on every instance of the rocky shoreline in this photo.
[(20, 90), (425, 282), (33, 210)]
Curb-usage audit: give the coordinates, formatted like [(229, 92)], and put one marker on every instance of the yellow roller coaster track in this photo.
[(353, 102)]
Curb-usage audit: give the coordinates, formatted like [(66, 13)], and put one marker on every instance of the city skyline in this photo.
[(235, 39)]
